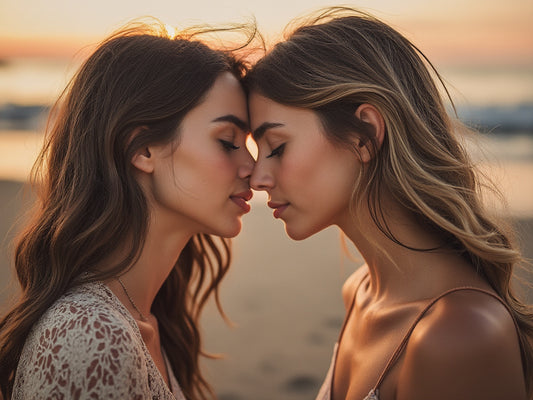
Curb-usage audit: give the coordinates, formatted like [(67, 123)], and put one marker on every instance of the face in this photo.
[(200, 183), (309, 180)]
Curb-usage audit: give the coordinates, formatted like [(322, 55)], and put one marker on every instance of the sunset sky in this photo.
[(469, 32)]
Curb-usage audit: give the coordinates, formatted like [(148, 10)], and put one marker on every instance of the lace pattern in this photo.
[(88, 346)]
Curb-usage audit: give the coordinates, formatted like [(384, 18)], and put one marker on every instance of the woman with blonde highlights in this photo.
[(352, 131), (143, 175)]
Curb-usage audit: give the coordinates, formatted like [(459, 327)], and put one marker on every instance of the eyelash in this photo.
[(277, 152), (228, 146)]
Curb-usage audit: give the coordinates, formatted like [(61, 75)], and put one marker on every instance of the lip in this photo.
[(278, 208), (241, 199)]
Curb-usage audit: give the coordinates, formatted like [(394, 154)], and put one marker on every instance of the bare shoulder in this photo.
[(465, 347), (352, 283)]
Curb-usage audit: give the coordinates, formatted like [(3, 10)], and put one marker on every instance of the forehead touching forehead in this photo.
[(270, 118), (225, 101)]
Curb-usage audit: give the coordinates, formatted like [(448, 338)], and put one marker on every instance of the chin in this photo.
[(303, 233), (297, 235), (231, 231)]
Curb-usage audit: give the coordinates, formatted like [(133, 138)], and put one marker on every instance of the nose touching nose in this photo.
[(247, 164), (261, 178)]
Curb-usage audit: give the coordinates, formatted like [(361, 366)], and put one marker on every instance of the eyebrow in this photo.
[(260, 131), (239, 123)]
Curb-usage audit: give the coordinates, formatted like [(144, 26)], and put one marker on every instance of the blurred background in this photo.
[(283, 296)]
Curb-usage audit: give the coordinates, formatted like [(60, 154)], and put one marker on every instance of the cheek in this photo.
[(297, 171), (221, 169), (206, 169), (310, 173), (320, 176)]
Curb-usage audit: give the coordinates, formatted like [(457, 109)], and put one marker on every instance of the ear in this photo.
[(371, 115), (142, 159)]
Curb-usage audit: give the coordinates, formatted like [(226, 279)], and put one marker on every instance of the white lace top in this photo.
[(88, 346)]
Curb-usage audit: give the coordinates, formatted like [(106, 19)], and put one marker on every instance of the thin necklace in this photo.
[(143, 318)]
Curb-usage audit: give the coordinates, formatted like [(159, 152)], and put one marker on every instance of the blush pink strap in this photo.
[(397, 353)]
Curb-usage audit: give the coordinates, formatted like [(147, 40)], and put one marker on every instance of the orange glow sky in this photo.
[(477, 32)]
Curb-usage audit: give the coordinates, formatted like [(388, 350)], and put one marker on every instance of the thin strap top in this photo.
[(399, 350), (374, 393), (325, 390)]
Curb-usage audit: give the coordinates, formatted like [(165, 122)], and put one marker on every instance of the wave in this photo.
[(491, 118), (498, 118), (23, 117)]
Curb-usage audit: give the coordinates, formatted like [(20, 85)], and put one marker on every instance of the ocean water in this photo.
[(34, 81), (489, 85), (495, 100), (283, 297), (493, 97)]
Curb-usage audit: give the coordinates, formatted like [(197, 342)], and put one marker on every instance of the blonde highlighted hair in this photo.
[(341, 58)]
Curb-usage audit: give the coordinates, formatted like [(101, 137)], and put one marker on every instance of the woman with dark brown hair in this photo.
[(143, 174), (352, 131)]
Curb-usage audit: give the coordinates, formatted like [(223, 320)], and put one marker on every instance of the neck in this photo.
[(400, 274), (144, 279)]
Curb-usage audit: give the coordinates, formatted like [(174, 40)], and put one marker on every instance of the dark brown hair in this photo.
[(89, 202), (340, 58)]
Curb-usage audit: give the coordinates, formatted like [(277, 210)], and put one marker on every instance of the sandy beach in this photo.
[(282, 296), (285, 298)]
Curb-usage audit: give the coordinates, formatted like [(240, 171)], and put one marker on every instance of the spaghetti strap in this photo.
[(352, 304), (325, 390), (396, 355)]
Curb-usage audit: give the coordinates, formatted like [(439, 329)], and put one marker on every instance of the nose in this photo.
[(262, 178), (246, 164)]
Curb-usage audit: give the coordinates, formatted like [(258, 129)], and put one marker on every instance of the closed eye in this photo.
[(228, 146), (277, 152)]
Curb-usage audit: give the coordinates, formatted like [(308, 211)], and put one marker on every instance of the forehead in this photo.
[(226, 96), (266, 113), (263, 109)]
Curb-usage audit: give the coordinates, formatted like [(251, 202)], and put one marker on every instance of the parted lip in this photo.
[(246, 195), (273, 204), (279, 208)]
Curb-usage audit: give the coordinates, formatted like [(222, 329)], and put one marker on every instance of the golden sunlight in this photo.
[(172, 32), (251, 146)]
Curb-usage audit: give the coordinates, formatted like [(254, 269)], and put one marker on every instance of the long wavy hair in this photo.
[(89, 202), (340, 58)]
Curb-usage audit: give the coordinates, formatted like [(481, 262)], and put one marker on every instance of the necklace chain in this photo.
[(143, 318)]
